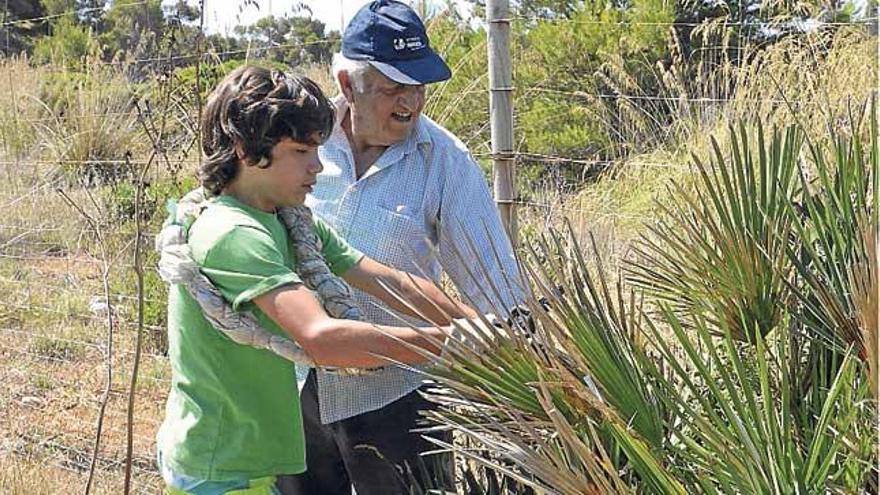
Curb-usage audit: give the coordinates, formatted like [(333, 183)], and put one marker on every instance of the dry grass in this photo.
[(52, 341), (866, 281), (77, 125), (52, 364), (17, 106), (824, 76), (51, 408)]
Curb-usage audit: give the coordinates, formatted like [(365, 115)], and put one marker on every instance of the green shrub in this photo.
[(560, 66), (120, 199), (120, 206), (68, 46), (89, 126)]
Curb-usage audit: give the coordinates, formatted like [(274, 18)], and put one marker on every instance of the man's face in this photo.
[(385, 112), (292, 174)]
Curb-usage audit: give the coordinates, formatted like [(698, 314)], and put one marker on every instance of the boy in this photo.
[(233, 413)]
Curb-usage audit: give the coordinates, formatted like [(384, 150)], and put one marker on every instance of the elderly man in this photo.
[(406, 192)]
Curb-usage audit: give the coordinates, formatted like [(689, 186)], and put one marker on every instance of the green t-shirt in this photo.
[(233, 411)]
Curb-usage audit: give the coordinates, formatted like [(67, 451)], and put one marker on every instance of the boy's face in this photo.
[(291, 175)]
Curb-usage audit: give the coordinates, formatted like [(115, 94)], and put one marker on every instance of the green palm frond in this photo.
[(837, 256), (720, 248), (736, 432), (595, 326), (571, 404)]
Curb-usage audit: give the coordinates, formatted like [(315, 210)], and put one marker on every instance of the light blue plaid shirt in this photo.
[(419, 208)]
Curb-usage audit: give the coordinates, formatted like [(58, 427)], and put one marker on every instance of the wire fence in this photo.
[(69, 323)]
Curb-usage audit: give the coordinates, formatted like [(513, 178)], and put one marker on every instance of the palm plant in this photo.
[(837, 260), (567, 409), (721, 251), (736, 429), (751, 365)]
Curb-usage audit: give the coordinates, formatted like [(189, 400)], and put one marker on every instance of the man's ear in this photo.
[(344, 81)]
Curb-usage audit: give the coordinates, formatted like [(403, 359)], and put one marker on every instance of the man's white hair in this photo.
[(356, 70)]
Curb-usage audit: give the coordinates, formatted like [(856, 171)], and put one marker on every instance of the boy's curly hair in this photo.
[(252, 109)]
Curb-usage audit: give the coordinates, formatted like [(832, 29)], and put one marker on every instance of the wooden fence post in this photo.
[(501, 111)]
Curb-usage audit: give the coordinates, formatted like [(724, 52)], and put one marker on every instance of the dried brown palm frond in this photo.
[(866, 293)]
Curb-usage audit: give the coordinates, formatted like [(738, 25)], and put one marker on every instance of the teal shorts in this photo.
[(177, 484), (182, 485)]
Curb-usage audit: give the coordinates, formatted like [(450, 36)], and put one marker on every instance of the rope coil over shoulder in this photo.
[(176, 266)]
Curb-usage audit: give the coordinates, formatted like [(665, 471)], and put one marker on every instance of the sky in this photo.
[(222, 15)]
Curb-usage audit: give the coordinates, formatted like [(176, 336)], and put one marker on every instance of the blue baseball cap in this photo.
[(391, 37)]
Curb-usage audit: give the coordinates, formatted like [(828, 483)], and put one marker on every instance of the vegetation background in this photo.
[(697, 184)]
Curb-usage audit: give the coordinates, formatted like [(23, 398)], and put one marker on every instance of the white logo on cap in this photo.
[(414, 43)]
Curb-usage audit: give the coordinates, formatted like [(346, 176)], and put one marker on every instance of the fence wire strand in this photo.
[(31, 20)]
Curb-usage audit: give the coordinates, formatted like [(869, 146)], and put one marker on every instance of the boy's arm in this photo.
[(344, 343), (365, 274), (368, 275)]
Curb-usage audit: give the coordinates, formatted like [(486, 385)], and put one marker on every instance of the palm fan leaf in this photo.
[(570, 403), (719, 249)]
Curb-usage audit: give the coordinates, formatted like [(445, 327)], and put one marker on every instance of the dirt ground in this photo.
[(54, 370)]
